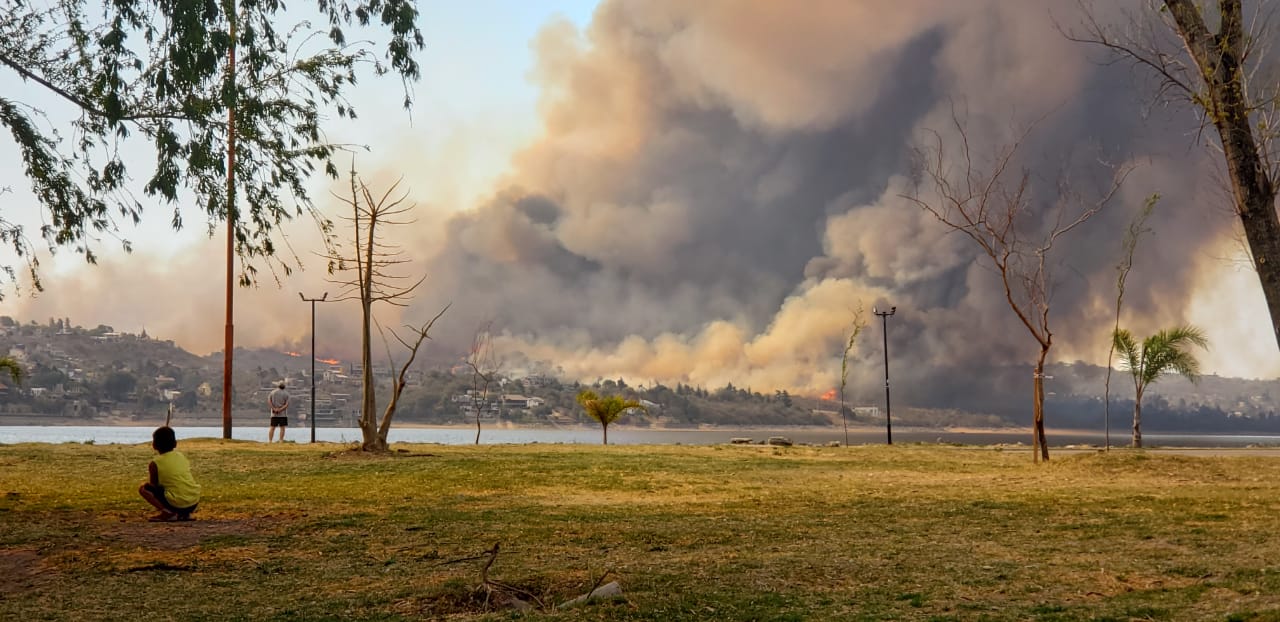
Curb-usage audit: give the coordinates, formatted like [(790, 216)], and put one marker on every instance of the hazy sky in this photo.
[(694, 191)]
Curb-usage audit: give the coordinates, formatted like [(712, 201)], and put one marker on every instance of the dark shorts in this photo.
[(279, 422), (158, 491)]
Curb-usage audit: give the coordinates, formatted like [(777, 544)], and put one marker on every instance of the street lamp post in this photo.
[(888, 412), (313, 302)]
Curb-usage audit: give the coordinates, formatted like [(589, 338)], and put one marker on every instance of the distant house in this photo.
[(512, 400)]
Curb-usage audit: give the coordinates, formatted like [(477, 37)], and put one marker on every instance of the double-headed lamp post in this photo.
[(313, 302), (888, 412)]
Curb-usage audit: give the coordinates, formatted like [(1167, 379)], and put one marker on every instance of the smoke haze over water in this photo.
[(715, 191)]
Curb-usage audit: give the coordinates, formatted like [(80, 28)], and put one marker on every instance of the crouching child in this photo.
[(170, 488)]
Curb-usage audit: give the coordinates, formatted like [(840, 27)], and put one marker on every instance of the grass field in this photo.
[(299, 532)]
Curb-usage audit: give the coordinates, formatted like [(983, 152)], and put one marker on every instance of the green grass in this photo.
[(691, 533)]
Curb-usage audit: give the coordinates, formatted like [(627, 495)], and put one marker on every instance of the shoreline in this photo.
[(7, 420)]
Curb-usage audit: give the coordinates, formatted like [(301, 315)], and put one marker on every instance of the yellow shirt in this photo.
[(174, 473)]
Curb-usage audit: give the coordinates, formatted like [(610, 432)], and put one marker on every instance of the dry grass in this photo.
[(691, 533)]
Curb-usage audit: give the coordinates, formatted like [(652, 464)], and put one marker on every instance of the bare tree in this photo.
[(1130, 244), (996, 208), (484, 364), (855, 328), (1223, 76), (373, 261), (420, 334)]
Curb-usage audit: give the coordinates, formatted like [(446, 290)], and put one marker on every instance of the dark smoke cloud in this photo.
[(716, 190)]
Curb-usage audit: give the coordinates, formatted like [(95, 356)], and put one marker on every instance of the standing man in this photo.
[(278, 402)]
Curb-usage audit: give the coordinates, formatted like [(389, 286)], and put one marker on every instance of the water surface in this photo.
[(622, 436)]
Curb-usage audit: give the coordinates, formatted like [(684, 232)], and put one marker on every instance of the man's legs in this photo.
[(271, 433)]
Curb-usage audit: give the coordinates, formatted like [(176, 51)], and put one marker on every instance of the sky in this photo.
[(690, 191)]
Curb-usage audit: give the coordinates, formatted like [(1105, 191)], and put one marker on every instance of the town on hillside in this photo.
[(103, 376), (78, 375)]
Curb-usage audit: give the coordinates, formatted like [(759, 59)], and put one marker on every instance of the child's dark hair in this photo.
[(163, 439)]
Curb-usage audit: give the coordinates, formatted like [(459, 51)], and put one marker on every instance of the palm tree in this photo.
[(605, 409), (10, 365), (1166, 351)]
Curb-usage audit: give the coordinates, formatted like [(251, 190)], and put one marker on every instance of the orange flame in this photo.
[(829, 395), (293, 354), (329, 361)]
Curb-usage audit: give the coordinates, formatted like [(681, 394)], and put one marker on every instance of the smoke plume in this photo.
[(716, 194)]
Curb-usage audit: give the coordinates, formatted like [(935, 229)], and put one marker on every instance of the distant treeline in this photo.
[(433, 402)]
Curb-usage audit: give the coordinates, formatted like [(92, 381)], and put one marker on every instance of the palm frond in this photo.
[(1170, 350)]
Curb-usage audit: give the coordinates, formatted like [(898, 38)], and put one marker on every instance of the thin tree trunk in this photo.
[(1137, 420), (368, 421), (477, 425), (1039, 444), (605, 426), (369, 407)]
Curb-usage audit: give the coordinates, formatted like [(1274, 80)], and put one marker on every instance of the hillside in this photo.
[(76, 373)]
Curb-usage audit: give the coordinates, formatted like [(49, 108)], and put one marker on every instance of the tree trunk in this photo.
[(1137, 420), (605, 427), (385, 427), (368, 407), (1039, 443), (1219, 59), (477, 423)]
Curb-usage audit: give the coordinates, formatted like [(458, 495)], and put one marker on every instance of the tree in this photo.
[(484, 364), (118, 385), (1130, 244), (1166, 351), (187, 400), (373, 261), (1222, 77), (420, 333), (998, 210), (10, 365), (855, 329), (607, 409), (166, 75)]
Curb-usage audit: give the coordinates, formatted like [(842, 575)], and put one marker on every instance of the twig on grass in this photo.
[(508, 592)]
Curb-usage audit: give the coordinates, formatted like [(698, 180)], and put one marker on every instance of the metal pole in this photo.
[(313, 302), (888, 410)]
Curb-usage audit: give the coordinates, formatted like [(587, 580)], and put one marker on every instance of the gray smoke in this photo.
[(716, 191)]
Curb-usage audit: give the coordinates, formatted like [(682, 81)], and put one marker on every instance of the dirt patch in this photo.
[(181, 535), (18, 569)]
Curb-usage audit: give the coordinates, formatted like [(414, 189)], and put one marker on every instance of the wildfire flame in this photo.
[(829, 395), (318, 360)]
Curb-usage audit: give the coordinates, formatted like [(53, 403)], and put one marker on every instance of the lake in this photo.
[(624, 436)]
